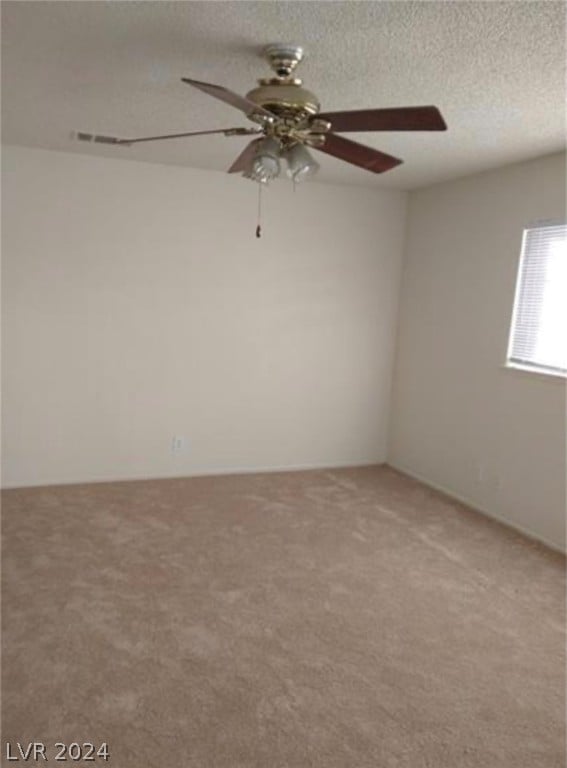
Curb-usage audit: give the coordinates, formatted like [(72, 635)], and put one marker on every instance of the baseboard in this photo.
[(227, 471), (474, 506), (222, 471)]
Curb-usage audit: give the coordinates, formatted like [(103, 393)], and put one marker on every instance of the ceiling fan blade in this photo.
[(366, 157), (98, 139), (242, 162), (244, 105), (395, 119)]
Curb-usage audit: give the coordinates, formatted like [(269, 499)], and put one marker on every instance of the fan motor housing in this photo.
[(285, 98)]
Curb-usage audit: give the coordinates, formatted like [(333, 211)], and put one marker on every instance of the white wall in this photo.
[(138, 305), (489, 435)]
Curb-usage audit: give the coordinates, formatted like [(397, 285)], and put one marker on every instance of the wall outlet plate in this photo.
[(178, 444)]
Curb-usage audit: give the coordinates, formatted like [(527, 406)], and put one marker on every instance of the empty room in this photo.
[(284, 300)]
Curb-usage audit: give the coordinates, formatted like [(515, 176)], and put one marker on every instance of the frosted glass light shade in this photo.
[(266, 164), (300, 163)]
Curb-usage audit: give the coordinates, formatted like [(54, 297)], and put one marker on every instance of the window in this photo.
[(538, 337)]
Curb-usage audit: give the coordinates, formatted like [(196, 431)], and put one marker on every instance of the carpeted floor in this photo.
[(330, 619)]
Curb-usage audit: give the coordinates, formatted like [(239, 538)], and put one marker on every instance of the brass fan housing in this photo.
[(285, 98)]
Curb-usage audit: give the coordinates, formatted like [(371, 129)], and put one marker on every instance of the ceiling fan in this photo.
[(288, 120)]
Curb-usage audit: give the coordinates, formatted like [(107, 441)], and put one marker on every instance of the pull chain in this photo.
[(259, 227)]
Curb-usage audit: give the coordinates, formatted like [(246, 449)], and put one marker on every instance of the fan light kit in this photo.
[(287, 121)]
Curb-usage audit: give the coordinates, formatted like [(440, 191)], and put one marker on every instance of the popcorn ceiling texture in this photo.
[(332, 619), (495, 69)]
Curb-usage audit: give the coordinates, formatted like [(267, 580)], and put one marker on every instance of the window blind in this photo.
[(538, 337)]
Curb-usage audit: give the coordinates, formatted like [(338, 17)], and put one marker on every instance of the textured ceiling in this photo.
[(496, 71)]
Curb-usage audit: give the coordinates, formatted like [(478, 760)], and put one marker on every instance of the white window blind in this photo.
[(538, 337)]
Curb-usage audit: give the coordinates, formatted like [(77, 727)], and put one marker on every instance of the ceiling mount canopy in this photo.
[(283, 57)]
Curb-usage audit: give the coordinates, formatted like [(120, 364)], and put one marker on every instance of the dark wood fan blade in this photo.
[(395, 119), (365, 157), (97, 138), (242, 162), (244, 105)]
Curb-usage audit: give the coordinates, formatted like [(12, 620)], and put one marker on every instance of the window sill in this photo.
[(542, 372)]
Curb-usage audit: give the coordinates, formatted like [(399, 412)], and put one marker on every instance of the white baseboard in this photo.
[(199, 473), (302, 468), (474, 506)]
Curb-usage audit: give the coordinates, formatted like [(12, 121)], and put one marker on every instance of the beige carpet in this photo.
[(337, 619)]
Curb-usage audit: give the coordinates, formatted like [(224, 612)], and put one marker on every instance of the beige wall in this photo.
[(138, 305), (492, 436)]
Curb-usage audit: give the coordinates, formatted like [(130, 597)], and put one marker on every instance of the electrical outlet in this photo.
[(178, 444)]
